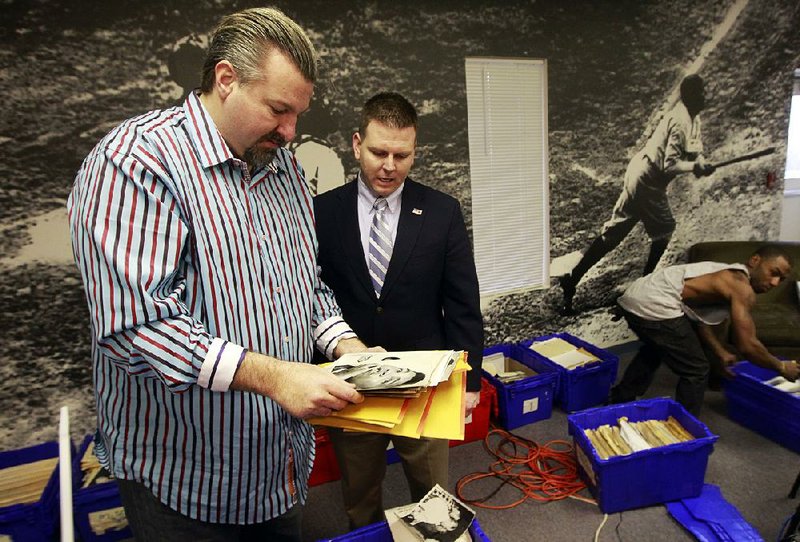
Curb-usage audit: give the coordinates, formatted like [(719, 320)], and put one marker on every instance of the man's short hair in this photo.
[(245, 38), (767, 252), (389, 108)]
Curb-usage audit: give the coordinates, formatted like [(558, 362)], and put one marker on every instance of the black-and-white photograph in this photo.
[(439, 516), (74, 70), (666, 127), (379, 376), (389, 370)]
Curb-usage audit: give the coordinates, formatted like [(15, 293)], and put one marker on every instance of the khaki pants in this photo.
[(362, 460)]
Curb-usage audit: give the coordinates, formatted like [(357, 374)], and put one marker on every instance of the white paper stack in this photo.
[(563, 353)]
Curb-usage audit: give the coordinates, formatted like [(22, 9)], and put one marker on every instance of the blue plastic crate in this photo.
[(380, 532), (35, 521), (523, 401), (648, 477), (97, 499), (392, 456), (751, 380), (581, 387), (763, 408)]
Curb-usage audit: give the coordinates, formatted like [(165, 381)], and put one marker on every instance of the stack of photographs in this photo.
[(395, 374)]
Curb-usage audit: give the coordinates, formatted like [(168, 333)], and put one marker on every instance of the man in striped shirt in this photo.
[(194, 234)]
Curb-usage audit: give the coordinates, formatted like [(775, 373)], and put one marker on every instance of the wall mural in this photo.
[(72, 70)]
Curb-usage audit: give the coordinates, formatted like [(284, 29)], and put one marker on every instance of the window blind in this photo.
[(507, 120)]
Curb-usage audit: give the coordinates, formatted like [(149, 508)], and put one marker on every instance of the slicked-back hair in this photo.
[(246, 37), (768, 252), (389, 108)]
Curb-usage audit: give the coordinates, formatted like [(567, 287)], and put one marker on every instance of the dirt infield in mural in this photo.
[(72, 72)]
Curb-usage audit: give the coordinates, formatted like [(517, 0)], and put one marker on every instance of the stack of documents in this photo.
[(433, 408), (563, 353), (506, 370), (628, 437), (24, 484)]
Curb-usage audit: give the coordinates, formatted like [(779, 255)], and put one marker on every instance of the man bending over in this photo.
[(671, 311)]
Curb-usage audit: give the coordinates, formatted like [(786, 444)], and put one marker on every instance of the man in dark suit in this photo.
[(397, 256)]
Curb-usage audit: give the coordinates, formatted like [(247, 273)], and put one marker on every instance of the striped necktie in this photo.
[(380, 245)]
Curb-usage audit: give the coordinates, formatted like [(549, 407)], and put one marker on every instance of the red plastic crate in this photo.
[(478, 427), (326, 468)]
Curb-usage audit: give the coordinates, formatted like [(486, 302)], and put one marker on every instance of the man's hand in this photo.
[(702, 168), (302, 389), (790, 370), (727, 359), (354, 344), (471, 401)]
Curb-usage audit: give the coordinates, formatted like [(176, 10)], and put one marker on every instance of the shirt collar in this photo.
[(208, 142), (366, 194)]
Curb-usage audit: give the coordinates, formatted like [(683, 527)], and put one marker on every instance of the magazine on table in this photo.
[(403, 372)]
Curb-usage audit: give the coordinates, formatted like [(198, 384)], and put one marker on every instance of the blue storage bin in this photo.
[(654, 476), (380, 532), (581, 387), (34, 521), (761, 407), (523, 401), (94, 500), (392, 456)]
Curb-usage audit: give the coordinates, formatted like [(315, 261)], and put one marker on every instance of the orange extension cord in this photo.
[(540, 472)]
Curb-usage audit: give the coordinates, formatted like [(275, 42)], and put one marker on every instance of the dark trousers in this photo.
[(675, 343), (153, 521)]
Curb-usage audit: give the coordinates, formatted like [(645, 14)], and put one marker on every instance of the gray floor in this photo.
[(754, 474)]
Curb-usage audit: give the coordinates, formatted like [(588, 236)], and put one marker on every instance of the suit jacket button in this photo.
[(379, 310)]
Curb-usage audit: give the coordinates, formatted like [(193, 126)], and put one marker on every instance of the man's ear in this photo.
[(753, 262), (357, 145), (225, 78)]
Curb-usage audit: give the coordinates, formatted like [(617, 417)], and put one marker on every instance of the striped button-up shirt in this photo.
[(188, 261)]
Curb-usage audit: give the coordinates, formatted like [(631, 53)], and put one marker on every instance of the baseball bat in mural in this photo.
[(749, 156)]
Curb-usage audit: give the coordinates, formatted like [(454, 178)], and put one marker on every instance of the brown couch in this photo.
[(777, 312)]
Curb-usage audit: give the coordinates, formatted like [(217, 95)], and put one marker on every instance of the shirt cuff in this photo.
[(329, 333), (220, 364)]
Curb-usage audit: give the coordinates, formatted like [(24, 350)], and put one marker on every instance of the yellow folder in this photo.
[(437, 412)]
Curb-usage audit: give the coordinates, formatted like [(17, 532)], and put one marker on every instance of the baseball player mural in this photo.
[(673, 148)]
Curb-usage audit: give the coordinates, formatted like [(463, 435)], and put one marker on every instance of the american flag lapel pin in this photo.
[(416, 211)]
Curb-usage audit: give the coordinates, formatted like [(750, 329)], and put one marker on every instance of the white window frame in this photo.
[(790, 215), (508, 149)]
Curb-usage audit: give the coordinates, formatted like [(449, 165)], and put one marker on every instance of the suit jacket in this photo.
[(430, 298)]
